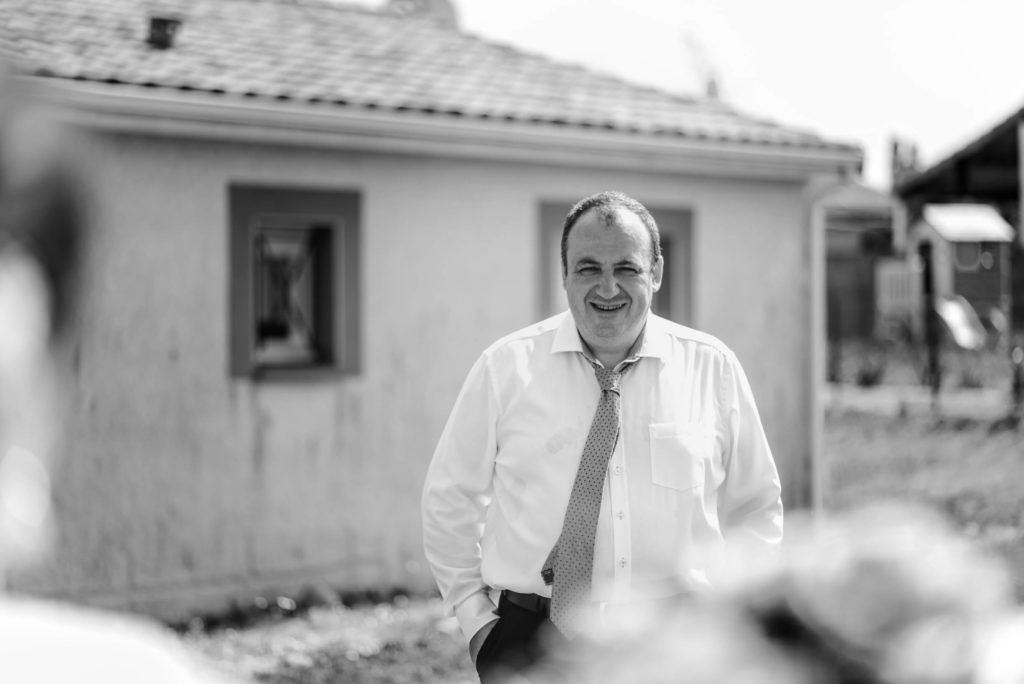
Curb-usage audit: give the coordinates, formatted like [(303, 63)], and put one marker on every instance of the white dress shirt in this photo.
[(691, 468)]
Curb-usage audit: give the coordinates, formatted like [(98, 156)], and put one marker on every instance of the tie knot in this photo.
[(608, 379)]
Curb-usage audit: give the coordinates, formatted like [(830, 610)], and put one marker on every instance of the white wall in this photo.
[(183, 488)]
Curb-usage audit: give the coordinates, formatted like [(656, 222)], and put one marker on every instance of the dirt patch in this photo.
[(964, 467), (405, 640)]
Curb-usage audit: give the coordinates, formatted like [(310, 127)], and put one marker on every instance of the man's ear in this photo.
[(657, 272)]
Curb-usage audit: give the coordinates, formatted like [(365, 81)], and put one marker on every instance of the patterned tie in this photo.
[(572, 558)]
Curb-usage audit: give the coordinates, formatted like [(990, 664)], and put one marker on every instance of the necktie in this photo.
[(572, 558)]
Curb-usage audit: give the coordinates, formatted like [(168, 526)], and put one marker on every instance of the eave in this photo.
[(198, 115), (983, 170)]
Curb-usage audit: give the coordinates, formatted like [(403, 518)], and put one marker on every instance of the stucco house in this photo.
[(307, 221)]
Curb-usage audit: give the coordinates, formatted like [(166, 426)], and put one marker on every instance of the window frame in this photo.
[(331, 218)]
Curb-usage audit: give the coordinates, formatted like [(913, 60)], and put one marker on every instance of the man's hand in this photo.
[(479, 638)]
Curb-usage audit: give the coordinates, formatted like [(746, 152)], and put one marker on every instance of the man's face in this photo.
[(610, 280)]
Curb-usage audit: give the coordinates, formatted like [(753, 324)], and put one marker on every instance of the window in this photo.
[(291, 285), (294, 280), (967, 255), (974, 256)]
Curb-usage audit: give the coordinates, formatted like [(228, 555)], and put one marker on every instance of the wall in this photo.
[(183, 488)]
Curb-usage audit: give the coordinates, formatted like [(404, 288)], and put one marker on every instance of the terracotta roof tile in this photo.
[(312, 50)]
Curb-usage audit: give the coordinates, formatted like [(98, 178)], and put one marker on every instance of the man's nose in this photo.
[(608, 286)]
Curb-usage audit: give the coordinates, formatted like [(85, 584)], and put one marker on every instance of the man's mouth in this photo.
[(608, 308)]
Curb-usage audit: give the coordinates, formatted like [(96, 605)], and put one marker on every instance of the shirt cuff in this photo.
[(475, 612)]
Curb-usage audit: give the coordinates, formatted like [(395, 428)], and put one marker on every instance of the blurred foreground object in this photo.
[(40, 232), (41, 228), (886, 594)]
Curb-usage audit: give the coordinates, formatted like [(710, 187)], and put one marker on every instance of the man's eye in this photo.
[(628, 270), (587, 270)]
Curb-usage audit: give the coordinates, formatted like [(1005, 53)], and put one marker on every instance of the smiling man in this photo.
[(596, 461)]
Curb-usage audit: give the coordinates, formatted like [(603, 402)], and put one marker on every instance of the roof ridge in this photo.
[(349, 6), (566, 62), (334, 4)]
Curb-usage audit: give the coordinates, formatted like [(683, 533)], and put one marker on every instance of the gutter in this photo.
[(120, 108)]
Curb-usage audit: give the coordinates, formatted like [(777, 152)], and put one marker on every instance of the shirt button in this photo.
[(622, 562), (621, 515), (618, 470)]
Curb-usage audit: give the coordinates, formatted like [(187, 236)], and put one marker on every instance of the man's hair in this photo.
[(607, 203), (40, 199)]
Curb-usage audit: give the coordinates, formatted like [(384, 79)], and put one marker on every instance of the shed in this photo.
[(308, 220), (964, 250)]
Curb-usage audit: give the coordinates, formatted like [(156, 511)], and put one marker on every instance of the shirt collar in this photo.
[(655, 343)]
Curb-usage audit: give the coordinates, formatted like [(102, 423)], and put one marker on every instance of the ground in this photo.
[(959, 456), (965, 459), (399, 641)]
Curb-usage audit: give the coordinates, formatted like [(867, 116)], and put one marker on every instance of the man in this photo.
[(597, 459)]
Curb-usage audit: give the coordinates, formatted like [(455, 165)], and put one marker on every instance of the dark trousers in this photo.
[(520, 640)]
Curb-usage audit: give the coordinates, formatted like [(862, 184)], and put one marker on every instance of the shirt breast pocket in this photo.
[(679, 454)]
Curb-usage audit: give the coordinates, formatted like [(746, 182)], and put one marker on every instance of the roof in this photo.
[(314, 51), (986, 168), (967, 223), (850, 196)]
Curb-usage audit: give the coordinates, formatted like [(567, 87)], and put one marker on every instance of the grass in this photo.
[(962, 466)]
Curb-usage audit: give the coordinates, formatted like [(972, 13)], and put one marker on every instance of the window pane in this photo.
[(283, 289), (968, 255)]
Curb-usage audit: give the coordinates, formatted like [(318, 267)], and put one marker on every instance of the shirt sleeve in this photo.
[(455, 497), (750, 503)]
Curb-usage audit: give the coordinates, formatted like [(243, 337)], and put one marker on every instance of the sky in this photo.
[(935, 72)]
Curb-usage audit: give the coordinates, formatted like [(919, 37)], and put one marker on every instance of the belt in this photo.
[(542, 604), (531, 602)]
